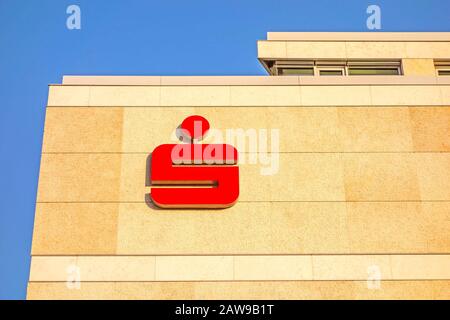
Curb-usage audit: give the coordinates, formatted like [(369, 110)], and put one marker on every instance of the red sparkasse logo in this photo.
[(194, 175)]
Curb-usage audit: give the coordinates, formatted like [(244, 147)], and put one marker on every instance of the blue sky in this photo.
[(139, 37)]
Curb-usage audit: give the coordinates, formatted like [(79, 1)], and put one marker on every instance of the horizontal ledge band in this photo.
[(240, 268), (175, 81), (243, 152), (261, 106), (235, 281), (276, 201), (241, 254)]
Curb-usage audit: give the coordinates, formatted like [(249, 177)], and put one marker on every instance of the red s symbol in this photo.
[(194, 175)]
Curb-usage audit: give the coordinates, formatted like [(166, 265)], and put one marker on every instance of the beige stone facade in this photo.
[(359, 208)]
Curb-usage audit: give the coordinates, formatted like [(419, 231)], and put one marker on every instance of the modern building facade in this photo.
[(357, 206)]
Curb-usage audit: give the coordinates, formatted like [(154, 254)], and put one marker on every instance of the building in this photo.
[(359, 206)]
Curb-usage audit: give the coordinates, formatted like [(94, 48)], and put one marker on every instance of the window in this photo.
[(330, 69), (381, 68), (369, 71), (296, 71), (293, 68), (325, 68), (442, 68), (331, 72)]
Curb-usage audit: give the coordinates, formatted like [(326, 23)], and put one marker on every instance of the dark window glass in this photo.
[(361, 71), (330, 72), (444, 72), (296, 71)]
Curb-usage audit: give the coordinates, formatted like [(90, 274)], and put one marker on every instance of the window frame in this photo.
[(341, 69)]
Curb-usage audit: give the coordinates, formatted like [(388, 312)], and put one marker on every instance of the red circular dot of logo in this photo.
[(195, 127)]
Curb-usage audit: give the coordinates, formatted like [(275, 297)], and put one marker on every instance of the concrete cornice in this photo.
[(359, 36), (251, 80)]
